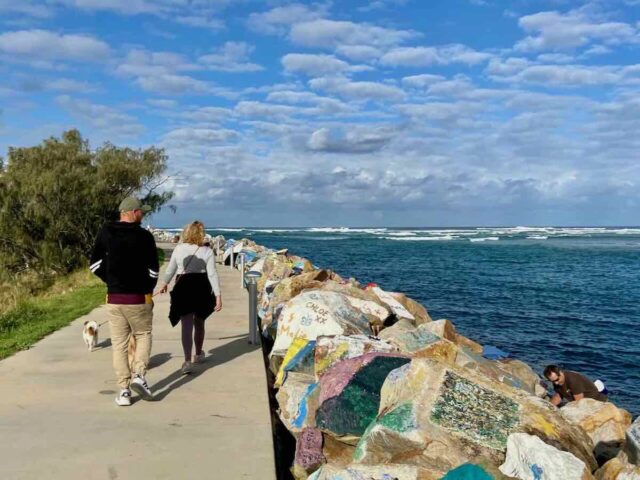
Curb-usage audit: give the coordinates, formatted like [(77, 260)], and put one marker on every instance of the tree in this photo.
[(55, 196)]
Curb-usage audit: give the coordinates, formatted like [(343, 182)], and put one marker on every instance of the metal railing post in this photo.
[(252, 287), (242, 270), (231, 258)]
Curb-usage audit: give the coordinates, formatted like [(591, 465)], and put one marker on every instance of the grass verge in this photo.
[(67, 299)]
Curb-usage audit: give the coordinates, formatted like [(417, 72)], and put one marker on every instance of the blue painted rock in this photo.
[(424, 340), (350, 393), (471, 471), (439, 416), (529, 458), (298, 401)]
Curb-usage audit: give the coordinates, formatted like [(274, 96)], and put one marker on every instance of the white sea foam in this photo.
[(537, 237), (484, 239), (421, 239), (372, 231), (399, 234)]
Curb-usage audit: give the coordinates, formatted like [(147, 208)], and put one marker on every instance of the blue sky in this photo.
[(354, 113)]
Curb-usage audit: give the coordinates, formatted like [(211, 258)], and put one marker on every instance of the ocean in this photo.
[(569, 296)]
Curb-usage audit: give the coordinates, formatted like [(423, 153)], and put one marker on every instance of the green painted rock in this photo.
[(350, 393), (371, 472), (438, 416)]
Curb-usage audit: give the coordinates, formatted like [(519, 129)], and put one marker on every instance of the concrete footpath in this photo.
[(58, 418)]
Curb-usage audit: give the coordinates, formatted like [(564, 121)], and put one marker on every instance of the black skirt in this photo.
[(192, 293)]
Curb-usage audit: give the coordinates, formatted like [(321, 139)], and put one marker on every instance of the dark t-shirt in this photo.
[(575, 384)]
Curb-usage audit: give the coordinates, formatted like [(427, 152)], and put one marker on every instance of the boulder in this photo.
[(298, 401), (398, 309), (618, 468), (418, 311), (299, 358), (421, 341), (330, 350), (604, 423), (469, 344), (439, 416), (337, 453), (286, 289), (315, 313), (309, 456), (520, 371), (472, 471), (350, 393), (529, 458), (632, 446), (371, 472)]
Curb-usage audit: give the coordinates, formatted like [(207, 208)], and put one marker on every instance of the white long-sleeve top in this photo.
[(196, 260)]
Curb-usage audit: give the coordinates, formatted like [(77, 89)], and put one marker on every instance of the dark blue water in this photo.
[(565, 296)]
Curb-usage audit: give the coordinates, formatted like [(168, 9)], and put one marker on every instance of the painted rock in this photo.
[(371, 472), (309, 455), (443, 329), (471, 471), (298, 401), (299, 358), (632, 446), (288, 288), (529, 458), (520, 371), (421, 341), (604, 423), (618, 468), (315, 313), (439, 416), (350, 394), (330, 350), (469, 344)]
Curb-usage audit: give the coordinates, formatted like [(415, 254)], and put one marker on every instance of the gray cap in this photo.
[(130, 204)]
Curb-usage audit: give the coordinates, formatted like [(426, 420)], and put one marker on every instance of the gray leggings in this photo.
[(192, 330)]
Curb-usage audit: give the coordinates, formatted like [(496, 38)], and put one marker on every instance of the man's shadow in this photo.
[(219, 355)]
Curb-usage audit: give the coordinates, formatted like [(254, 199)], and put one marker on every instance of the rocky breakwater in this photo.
[(372, 387)]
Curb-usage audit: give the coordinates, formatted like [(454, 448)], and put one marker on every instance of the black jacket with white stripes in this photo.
[(125, 258)]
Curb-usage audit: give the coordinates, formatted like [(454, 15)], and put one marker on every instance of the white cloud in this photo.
[(49, 46), (571, 75), (25, 7), (360, 53), (231, 57), (557, 31), (101, 117), (346, 88), (350, 140), (325, 33), (198, 136), (168, 84), (279, 19), (422, 80), (200, 21), (313, 65), (425, 56)]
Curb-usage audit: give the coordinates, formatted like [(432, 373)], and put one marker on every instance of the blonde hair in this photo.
[(193, 233)]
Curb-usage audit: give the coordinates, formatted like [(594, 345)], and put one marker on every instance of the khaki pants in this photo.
[(126, 320)]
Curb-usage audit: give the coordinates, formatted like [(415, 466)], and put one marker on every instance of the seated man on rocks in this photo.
[(571, 386)]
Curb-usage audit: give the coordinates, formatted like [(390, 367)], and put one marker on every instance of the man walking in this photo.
[(125, 258)]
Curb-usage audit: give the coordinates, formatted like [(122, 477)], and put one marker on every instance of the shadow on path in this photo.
[(219, 355), (158, 359)]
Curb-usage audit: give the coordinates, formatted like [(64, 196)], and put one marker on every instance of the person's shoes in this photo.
[(124, 398), (139, 385), (199, 358), (187, 367)]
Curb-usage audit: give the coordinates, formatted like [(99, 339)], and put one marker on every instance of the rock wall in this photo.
[(372, 387)]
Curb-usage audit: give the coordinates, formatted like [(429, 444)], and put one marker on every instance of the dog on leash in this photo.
[(90, 334)]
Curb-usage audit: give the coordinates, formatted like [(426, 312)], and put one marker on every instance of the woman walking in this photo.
[(196, 293)]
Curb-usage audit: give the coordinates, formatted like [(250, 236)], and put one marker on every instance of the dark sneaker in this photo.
[(187, 368), (124, 398), (139, 385), (199, 358)]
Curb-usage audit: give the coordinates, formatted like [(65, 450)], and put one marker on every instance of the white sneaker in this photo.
[(187, 367), (124, 398), (199, 358), (139, 385)]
